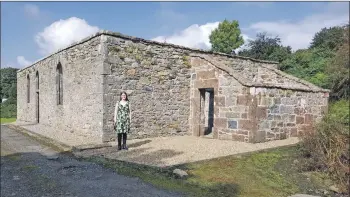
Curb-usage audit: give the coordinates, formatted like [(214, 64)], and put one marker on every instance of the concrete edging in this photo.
[(55, 144)]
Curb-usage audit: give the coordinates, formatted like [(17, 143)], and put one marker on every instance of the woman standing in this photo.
[(122, 117)]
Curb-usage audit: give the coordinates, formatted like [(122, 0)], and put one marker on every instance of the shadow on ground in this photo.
[(140, 143), (139, 155)]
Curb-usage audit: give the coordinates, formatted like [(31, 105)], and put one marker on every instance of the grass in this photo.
[(160, 178), (7, 120), (255, 174), (29, 167), (268, 173)]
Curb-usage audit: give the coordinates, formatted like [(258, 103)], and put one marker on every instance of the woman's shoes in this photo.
[(124, 147)]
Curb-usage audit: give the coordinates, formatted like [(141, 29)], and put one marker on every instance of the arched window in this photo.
[(37, 80), (59, 84), (37, 103), (28, 89)]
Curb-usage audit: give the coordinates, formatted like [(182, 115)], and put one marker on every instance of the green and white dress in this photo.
[(122, 117)]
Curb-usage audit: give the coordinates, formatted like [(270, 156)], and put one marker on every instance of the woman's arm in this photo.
[(116, 112), (129, 112)]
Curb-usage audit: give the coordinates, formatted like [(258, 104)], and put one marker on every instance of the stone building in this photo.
[(173, 90)]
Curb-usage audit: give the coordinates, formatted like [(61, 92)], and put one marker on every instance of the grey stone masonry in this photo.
[(81, 110), (253, 101)]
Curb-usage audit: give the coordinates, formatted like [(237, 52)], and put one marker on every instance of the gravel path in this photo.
[(161, 151), (71, 139), (30, 169), (167, 151)]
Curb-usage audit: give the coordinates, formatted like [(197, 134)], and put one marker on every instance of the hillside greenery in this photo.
[(8, 90)]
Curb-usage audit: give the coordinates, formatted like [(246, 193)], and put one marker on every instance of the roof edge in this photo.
[(117, 34), (137, 39), (296, 79), (62, 49), (310, 87)]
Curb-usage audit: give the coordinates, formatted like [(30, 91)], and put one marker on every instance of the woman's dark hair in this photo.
[(126, 96)]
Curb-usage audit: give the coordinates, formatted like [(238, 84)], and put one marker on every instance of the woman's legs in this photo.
[(119, 141), (124, 141)]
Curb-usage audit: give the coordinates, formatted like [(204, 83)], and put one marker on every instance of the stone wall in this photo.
[(81, 111), (285, 113), (156, 79), (252, 114), (229, 117)]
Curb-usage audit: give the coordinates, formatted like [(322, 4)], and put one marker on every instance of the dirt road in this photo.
[(29, 169)]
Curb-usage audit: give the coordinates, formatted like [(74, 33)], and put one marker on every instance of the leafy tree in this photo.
[(325, 63), (8, 89), (1, 93), (328, 38), (266, 48), (338, 69), (13, 91), (309, 64), (8, 78), (227, 37)]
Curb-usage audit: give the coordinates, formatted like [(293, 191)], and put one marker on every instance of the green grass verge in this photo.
[(7, 120), (268, 173), (159, 177)]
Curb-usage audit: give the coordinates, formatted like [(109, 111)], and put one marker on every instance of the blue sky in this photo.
[(32, 30)]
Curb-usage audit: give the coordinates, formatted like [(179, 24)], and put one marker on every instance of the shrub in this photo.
[(327, 147), (9, 109), (340, 111)]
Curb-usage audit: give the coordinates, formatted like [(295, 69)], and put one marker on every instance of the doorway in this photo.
[(37, 97), (207, 112)]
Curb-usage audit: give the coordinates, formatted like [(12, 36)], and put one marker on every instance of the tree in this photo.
[(338, 69), (8, 78), (227, 37), (8, 88), (309, 64), (1, 93), (328, 38), (266, 48)]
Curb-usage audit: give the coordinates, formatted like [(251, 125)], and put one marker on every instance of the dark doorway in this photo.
[(37, 97), (207, 111)]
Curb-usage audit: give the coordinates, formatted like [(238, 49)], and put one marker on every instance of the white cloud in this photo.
[(194, 36), (62, 33), (31, 10), (246, 39), (23, 62), (299, 34), (295, 34)]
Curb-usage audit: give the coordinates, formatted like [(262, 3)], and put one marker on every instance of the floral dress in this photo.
[(122, 118)]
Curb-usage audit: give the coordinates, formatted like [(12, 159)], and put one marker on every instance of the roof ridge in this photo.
[(296, 79), (244, 82)]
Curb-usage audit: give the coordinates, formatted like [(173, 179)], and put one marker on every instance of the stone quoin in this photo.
[(173, 90)]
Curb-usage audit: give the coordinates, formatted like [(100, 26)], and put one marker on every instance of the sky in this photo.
[(33, 30)]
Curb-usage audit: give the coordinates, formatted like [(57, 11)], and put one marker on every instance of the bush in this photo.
[(9, 109), (327, 147), (340, 111)]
